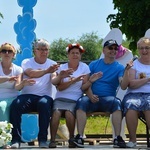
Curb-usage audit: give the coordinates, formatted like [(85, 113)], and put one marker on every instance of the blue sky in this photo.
[(58, 18)]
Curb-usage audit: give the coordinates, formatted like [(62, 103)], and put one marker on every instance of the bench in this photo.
[(107, 114)]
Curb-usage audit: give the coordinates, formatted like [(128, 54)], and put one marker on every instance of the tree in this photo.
[(1, 16), (132, 19), (58, 49), (90, 42), (92, 45)]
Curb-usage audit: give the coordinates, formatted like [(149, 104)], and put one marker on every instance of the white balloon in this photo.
[(147, 33), (114, 34)]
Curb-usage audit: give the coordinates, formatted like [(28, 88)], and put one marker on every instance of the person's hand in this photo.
[(94, 98), (129, 65), (28, 82), (52, 68), (66, 73), (77, 79), (95, 76), (13, 78)]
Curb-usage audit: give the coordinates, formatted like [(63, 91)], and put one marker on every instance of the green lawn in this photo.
[(102, 125)]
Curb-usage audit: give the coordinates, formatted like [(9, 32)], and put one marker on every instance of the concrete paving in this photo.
[(25, 146)]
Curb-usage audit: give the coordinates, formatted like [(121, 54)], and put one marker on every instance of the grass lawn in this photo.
[(102, 125)]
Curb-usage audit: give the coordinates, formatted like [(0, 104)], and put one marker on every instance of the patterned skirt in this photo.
[(136, 101)]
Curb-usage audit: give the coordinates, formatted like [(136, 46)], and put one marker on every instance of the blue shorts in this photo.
[(105, 104), (136, 101)]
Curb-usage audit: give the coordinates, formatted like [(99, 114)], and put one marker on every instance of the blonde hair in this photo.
[(145, 40), (7, 46)]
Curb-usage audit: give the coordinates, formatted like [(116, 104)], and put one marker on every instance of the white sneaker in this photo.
[(15, 145), (131, 144)]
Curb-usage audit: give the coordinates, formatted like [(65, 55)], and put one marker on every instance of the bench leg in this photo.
[(31, 143), (147, 136)]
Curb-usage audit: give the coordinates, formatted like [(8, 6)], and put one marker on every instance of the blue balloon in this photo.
[(24, 29)]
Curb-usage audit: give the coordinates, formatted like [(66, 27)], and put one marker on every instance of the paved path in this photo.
[(87, 147)]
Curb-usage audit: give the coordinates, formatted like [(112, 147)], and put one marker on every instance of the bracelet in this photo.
[(90, 81)]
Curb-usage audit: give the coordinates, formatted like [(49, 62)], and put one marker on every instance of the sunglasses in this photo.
[(113, 48), (4, 51)]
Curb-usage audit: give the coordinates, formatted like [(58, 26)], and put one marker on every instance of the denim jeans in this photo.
[(105, 104), (26, 103)]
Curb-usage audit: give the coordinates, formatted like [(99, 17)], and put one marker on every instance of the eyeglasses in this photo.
[(43, 50), (4, 51), (113, 48), (142, 48)]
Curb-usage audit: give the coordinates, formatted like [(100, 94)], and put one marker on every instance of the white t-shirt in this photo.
[(74, 91), (43, 85), (7, 89), (144, 70)]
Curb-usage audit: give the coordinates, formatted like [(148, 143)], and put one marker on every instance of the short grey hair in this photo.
[(39, 43)]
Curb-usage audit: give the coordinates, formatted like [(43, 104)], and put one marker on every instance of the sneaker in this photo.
[(6, 147), (43, 144), (52, 144), (15, 145), (71, 143), (78, 141), (119, 142), (131, 144)]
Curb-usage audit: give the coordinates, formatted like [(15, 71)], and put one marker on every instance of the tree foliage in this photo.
[(90, 41), (132, 19), (58, 49), (92, 45)]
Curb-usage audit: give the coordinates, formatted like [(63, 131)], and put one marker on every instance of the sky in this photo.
[(58, 19)]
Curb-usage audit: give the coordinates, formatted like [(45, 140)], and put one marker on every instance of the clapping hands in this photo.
[(52, 68), (95, 76), (28, 82), (77, 79), (66, 73), (13, 78)]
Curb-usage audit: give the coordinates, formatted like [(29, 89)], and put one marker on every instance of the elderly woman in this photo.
[(69, 90), (137, 98)]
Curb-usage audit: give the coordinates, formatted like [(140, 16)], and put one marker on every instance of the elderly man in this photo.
[(101, 96)]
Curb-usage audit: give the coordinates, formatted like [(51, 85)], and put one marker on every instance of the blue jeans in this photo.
[(105, 104), (26, 103)]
